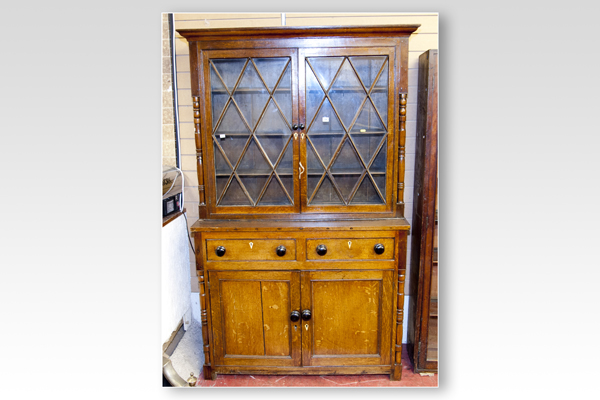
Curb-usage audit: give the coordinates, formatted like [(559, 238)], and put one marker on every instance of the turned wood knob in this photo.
[(220, 250), (321, 250), (379, 248), (295, 316), (306, 315), (281, 251)]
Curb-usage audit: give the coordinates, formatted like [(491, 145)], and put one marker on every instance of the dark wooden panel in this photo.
[(421, 328)]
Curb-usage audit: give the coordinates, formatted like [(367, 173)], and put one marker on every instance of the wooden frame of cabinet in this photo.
[(423, 323), (331, 244)]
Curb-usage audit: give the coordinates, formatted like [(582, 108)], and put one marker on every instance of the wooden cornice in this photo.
[(297, 32)]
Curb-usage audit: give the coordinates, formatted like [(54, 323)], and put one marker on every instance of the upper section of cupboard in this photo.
[(300, 122)]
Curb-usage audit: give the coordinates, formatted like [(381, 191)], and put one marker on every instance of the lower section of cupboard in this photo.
[(302, 301), (304, 322)]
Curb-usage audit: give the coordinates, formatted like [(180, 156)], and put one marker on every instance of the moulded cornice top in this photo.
[(297, 32)]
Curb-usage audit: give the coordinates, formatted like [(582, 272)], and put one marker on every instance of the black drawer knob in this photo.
[(281, 251), (321, 250), (295, 316), (220, 250), (295, 127), (379, 248), (301, 126), (306, 315)]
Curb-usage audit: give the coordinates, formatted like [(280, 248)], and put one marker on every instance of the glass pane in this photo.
[(345, 183), (233, 147), (283, 94), (253, 162), (274, 194), (285, 172), (286, 164), (273, 132), (367, 144), (380, 182), (326, 121), (314, 170), (270, 69), (368, 68), (314, 96), (347, 94), (219, 96), (253, 170), (368, 121), (325, 68), (232, 122), (253, 184), (380, 94), (325, 145), (347, 160), (229, 70), (366, 193), (326, 194), (251, 95), (234, 195), (221, 166), (378, 166)]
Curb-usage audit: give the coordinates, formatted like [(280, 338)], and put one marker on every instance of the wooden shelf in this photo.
[(343, 133)]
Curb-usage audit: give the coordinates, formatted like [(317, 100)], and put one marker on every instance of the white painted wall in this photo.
[(175, 277)]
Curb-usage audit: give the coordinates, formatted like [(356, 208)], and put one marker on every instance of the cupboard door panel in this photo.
[(252, 96), (345, 99), (351, 313), (251, 317)]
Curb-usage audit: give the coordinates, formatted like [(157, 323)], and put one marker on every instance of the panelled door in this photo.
[(251, 96), (346, 103), (251, 317), (350, 317)]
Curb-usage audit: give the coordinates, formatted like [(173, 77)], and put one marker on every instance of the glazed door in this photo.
[(251, 99), (251, 322), (347, 103), (350, 318)]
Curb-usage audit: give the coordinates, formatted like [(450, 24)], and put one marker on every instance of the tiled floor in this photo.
[(409, 379)]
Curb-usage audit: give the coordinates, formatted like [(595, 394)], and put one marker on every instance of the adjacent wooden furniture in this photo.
[(423, 323), (301, 242)]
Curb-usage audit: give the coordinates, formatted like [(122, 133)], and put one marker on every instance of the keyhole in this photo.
[(349, 244), (295, 327), (306, 326), (251, 244)]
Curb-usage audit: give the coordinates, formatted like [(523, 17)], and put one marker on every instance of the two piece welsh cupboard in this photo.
[(301, 241)]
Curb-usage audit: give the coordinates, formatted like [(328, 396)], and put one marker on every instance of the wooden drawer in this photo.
[(350, 249), (250, 249)]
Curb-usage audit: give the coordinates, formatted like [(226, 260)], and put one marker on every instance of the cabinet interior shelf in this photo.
[(356, 89), (288, 133), (289, 172)]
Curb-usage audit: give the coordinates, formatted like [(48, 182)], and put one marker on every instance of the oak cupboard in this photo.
[(301, 241)]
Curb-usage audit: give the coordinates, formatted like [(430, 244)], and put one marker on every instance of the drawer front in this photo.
[(250, 249), (349, 249)]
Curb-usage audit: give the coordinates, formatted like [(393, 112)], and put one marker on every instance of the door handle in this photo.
[(301, 170)]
